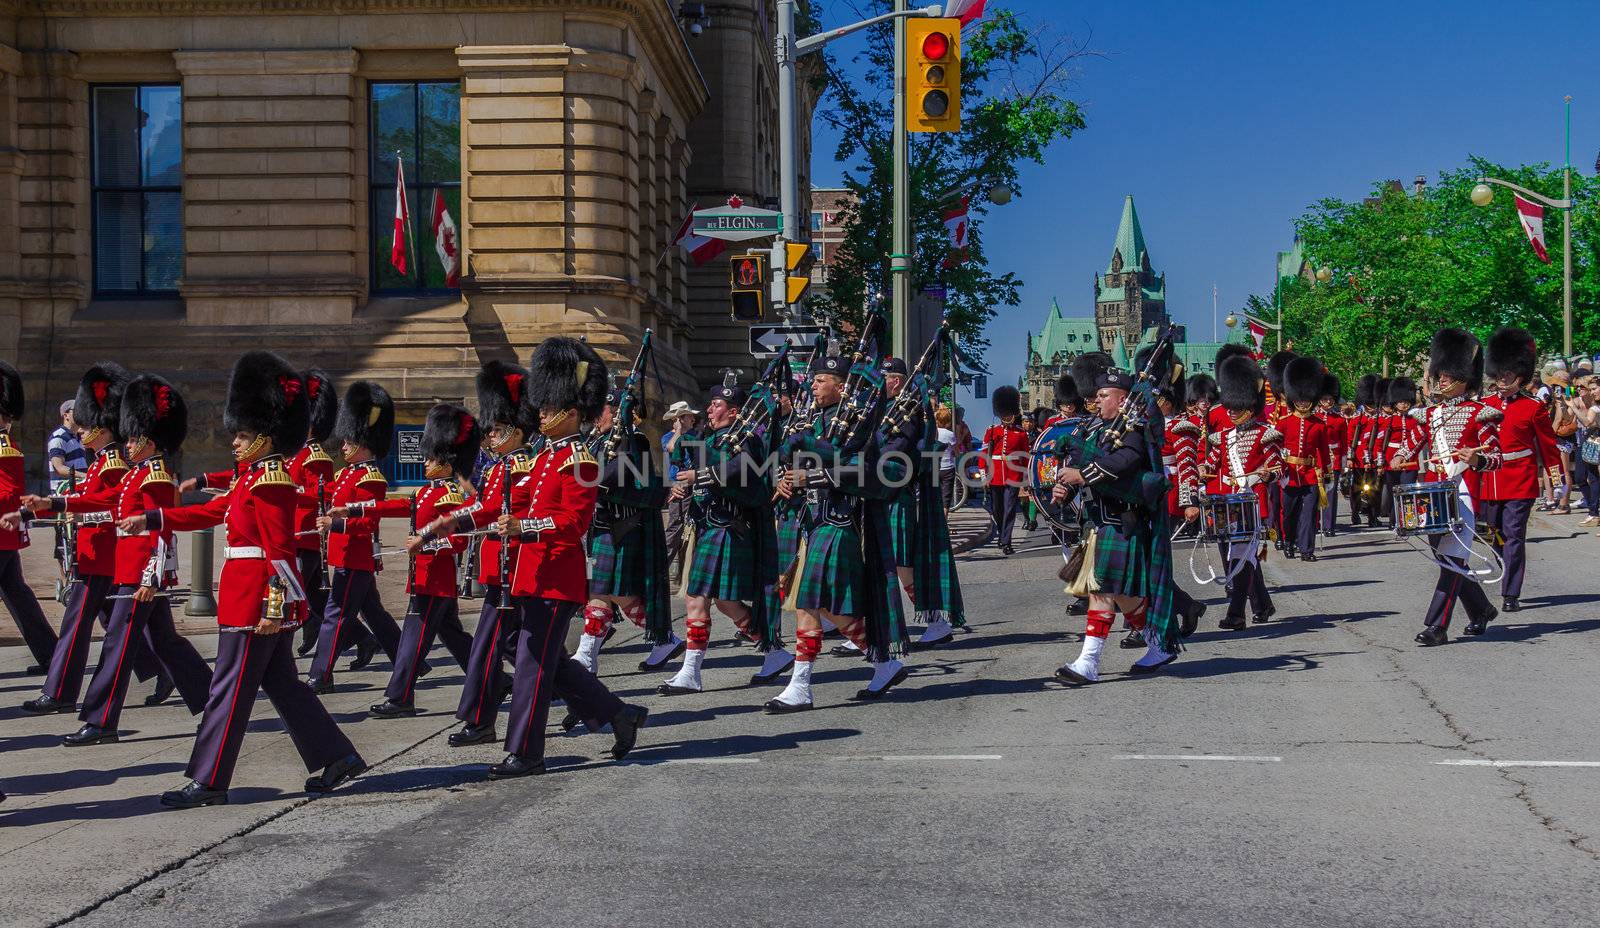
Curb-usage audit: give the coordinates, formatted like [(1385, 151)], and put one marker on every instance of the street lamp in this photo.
[(1483, 195), (1324, 273)]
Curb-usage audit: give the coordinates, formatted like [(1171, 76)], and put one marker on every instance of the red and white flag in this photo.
[(1258, 335), (965, 10), (700, 248), (956, 226), (444, 241), (402, 217), (1531, 215)]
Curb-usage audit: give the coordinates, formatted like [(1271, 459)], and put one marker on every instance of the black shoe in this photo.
[(306, 646), (365, 652), (674, 654), (164, 690), (1066, 675), (44, 705), (866, 694), (1191, 620), (1232, 623), (1309, 558), (1511, 605), (515, 765), (626, 727), (1480, 627), (1328, 534), (389, 709), (89, 734), (193, 796), (762, 679), (506, 684), (1007, 550), (319, 686), (423, 669), (670, 689), (338, 772), (1291, 552), (1431, 636), (1261, 618), (1277, 544), (1078, 607), (570, 721), (468, 734), (1133, 639), (844, 650), (776, 706), (34, 670)]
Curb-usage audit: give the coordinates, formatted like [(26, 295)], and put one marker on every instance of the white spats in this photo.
[(798, 692), (776, 661), (662, 651), (1154, 656), (688, 676), (1087, 666), (588, 653), (848, 645), (939, 630), (885, 674)]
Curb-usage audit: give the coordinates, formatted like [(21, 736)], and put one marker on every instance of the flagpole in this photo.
[(1213, 312), (410, 240), (1566, 241)]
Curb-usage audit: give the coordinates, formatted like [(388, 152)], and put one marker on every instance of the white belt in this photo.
[(243, 554), (1517, 455)]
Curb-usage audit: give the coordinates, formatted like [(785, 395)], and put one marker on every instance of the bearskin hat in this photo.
[(1006, 401), (567, 373), (323, 398), (268, 397), (1231, 350), (1458, 353), (1330, 387), (153, 408), (1276, 365), (1086, 369), (1380, 393), (1067, 392), (98, 404), (366, 418), (1200, 387), (503, 397), (1240, 384), (1511, 351), (1401, 390), (1302, 380), (451, 435), (1367, 390), (11, 397)]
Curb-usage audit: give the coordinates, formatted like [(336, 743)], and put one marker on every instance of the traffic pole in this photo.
[(900, 260), (788, 174)]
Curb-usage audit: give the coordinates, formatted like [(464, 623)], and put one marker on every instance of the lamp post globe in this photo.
[(1325, 274), (1482, 195), (1000, 194), (1231, 321)]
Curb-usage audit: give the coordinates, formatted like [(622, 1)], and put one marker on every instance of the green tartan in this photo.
[(938, 584), (635, 564), (895, 519), (723, 566), (1121, 562), (831, 577)]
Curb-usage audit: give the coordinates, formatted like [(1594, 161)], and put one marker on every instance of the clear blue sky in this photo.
[(1225, 120)]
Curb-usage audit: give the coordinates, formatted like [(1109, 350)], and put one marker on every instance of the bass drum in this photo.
[(1042, 469)]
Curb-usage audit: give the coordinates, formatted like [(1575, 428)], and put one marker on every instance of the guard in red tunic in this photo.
[(554, 505), (18, 596), (1218, 418), (1006, 449), (1194, 423), (1336, 435), (1406, 437), (1245, 458), (1305, 456), (1277, 409), (366, 430), (450, 439), (258, 591), (1365, 482), (1527, 447)]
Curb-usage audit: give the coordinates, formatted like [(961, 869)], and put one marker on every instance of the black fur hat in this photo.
[(1067, 392), (451, 435), (1458, 353), (323, 398), (1240, 384), (98, 404), (268, 397), (1232, 350), (1367, 390), (1330, 387), (1200, 387), (566, 373), (1511, 351), (1401, 390), (11, 397), (153, 408), (1276, 365), (503, 397), (1086, 369), (1380, 393), (366, 418), (1006, 401), (1302, 380)]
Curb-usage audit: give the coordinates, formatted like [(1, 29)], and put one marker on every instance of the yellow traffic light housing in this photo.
[(797, 261), (747, 286), (932, 62)]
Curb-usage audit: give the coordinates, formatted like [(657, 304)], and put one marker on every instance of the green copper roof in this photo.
[(1068, 335), (1130, 238), (1158, 293), (1120, 358), (1197, 357), (1290, 262)]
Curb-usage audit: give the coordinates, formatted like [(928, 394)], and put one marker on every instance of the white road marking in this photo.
[(714, 760), (1517, 763), (915, 757), (1239, 758)]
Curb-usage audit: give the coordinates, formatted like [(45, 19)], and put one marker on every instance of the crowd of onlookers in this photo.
[(1571, 391)]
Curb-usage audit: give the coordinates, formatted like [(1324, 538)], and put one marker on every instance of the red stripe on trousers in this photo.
[(238, 684)]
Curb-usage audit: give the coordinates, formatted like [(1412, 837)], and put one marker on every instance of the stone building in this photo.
[(1130, 296), (182, 179), (827, 231)]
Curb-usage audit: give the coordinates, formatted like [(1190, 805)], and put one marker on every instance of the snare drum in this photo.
[(1425, 508), (1043, 466), (1231, 517)]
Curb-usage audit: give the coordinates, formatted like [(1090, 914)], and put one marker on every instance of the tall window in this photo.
[(137, 185), (418, 123)]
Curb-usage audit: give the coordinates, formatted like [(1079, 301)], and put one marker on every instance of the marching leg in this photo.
[(414, 638), (317, 737), (64, 682), (24, 608), (183, 663), (1513, 526), (481, 692)]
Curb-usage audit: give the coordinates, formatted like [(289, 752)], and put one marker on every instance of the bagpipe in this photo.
[(846, 431), (920, 384), (623, 426), (760, 407)]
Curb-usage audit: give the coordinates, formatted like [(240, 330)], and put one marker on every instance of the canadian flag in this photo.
[(700, 248), (444, 241), (1258, 335), (965, 10), (402, 217), (955, 224), (1531, 215)]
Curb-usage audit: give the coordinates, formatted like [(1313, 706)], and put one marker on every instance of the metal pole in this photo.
[(788, 124), (202, 567), (900, 260), (1566, 244)]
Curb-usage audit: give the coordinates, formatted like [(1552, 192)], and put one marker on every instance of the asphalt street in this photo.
[(1320, 769)]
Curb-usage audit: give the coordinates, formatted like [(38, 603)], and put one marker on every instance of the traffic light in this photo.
[(797, 260), (932, 60), (747, 285)]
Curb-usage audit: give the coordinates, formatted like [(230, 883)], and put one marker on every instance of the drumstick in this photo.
[(1457, 453)]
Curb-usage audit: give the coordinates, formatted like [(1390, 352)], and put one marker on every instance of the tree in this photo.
[(1014, 105)]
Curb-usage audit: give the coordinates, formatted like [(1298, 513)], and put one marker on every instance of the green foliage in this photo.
[(1013, 108), (1404, 266)]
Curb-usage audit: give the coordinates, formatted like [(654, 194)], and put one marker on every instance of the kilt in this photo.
[(831, 577), (1121, 562), (723, 566), (791, 528), (620, 564), (896, 522)]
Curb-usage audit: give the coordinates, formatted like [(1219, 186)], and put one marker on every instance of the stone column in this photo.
[(10, 178)]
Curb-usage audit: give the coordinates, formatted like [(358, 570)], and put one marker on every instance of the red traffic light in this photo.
[(935, 45)]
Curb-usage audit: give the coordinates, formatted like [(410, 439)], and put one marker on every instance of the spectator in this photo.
[(1565, 429), (1585, 408), (944, 417), (64, 452), (675, 446)]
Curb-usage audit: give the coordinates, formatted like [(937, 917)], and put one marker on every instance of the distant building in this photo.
[(827, 232)]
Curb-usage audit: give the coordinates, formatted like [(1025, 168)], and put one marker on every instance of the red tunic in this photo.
[(1181, 455), (487, 507), (433, 571), (259, 512), (1336, 439), (145, 486), (1218, 420), (1006, 450), (96, 551), (1455, 425), (1305, 449), (1527, 444), (1407, 435), (555, 502), (352, 543), (12, 486), (1238, 455)]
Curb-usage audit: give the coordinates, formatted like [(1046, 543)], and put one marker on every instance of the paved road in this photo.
[(1317, 770)]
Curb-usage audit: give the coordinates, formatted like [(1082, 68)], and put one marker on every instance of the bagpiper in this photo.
[(1305, 456), (1245, 457), (18, 596)]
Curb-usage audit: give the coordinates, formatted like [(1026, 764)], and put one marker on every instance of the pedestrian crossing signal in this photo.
[(932, 62), (747, 286), (798, 258)]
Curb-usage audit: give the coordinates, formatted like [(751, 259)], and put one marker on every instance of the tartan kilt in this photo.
[(724, 566), (1121, 562), (831, 577), (620, 565), (791, 529), (896, 522)]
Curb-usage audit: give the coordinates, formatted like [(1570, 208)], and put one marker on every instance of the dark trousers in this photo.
[(1452, 586), (677, 518), (1509, 517), (1366, 477), (1248, 584), (246, 664), (1586, 477), (86, 603), (315, 579), (1300, 518), (1275, 510), (24, 608), (1003, 505), (130, 620), (1392, 479), (1330, 512), (427, 617), (492, 640), (355, 592), (542, 667)]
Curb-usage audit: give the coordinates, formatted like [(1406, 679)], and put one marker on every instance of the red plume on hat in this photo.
[(451, 435)]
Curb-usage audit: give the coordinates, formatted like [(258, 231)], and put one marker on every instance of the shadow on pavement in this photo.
[(1219, 666), (59, 780), (130, 807), (735, 745), (1531, 631)]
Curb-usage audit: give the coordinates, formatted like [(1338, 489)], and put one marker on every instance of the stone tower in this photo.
[(1129, 297)]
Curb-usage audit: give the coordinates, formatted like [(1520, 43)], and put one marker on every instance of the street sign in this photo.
[(408, 446), (980, 386), (737, 224), (765, 340)]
